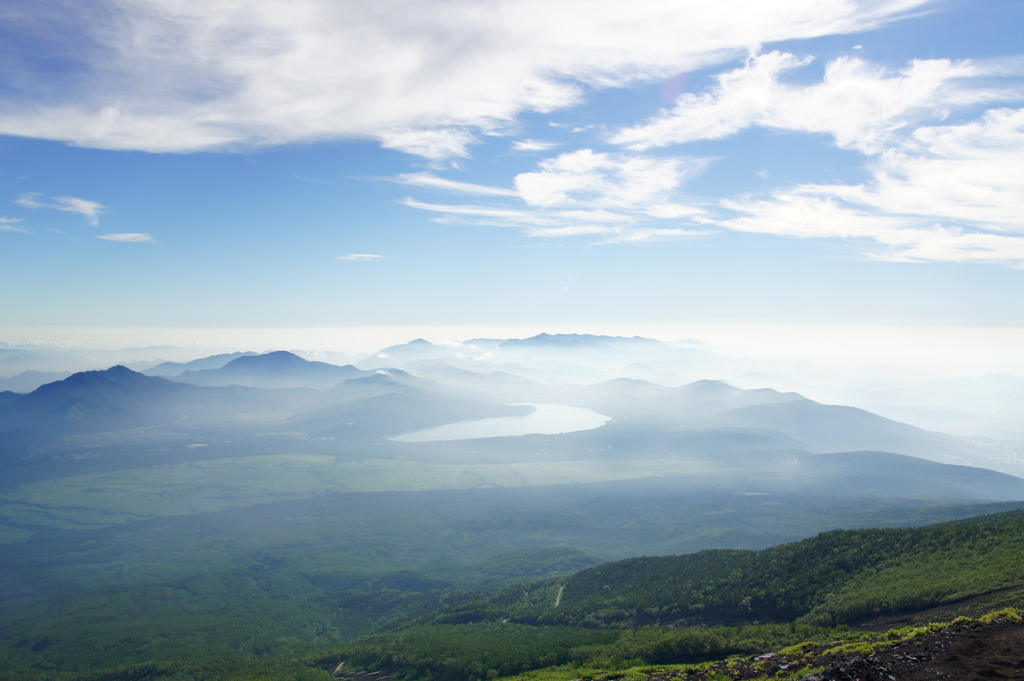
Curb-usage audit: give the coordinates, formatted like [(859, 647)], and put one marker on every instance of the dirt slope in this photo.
[(969, 651)]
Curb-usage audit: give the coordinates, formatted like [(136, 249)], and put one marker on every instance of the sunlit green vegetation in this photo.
[(836, 577), (121, 496), (296, 613)]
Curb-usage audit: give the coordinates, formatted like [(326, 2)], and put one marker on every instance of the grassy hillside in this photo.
[(683, 609), (704, 606), (839, 577)]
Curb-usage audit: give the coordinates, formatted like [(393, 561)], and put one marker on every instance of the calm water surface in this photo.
[(545, 419)]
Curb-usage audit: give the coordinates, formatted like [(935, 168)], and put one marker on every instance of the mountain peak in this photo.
[(278, 356), (711, 386), (118, 374), (277, 369), (117, 380), (276, 359), (211, 362), (573, 340)]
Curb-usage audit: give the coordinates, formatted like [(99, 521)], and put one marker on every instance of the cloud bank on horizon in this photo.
[(537, 117)]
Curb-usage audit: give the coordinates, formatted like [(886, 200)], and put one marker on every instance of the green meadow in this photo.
[(101, 499)]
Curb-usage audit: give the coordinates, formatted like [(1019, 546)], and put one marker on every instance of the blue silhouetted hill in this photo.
[(279, 369), (715, 405), (168, 369), (392, 402), (119, 399)]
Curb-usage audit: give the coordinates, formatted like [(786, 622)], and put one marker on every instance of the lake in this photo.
[(545, 419)]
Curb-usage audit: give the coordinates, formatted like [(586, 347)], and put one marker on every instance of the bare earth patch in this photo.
[(968, 651)]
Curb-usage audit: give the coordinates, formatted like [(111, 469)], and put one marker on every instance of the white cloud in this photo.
[(955, 245), (968, 173), (949, 193), (11, 225), (520, 217), (615, 235), (936, 193), (533, 145), (617, 197), (647, 234), (861, 105), (69, 204), (936, 190), (359, 257), (571, 231), (434, 182), (422, 77), (435, 144), (882, 237), (799, 215), (129, 237), (619, 181)]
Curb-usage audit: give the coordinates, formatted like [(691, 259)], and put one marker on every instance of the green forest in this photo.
[(683, 609)]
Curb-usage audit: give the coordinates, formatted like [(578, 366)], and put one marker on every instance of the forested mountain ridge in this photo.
[(704, 606), (838, 577)]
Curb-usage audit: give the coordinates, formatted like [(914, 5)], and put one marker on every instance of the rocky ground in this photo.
[(966, 651)]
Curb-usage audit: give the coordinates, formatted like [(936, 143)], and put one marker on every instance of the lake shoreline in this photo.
[(545, 419)]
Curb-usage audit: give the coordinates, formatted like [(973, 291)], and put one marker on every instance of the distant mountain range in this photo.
[(118, 399), (27, 381), (249, 500), (279, 369), (168, 369), (989, 406), (714, 405), (758, 441), (559, 357), (376, 403)]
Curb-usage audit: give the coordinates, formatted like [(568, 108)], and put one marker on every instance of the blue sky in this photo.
[(527, 165)]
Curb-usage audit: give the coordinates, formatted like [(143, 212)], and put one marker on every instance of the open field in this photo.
[(102, 499)]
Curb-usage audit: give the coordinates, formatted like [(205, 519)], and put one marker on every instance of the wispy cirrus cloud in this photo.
[(952, 244), (624, 182), (91, 210), (423, 78), (967, 173), (937, 191), (861, 105), (11, 225), (533, 145), (128, 237), (520, 216), (615, 198), (601, 226), (949, 193), (359, 257), (434, 182), (879, 236)]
